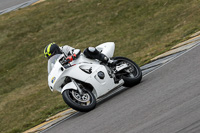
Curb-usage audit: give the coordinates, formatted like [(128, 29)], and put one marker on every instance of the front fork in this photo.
[(77, 86), (72, 84)]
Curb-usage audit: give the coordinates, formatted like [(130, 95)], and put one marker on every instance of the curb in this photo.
[(22, 5), (39, 1), (193, 39), (179, 47), (51, 121)]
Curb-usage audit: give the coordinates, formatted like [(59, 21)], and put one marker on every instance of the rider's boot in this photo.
[(106, 60), (112, 63)]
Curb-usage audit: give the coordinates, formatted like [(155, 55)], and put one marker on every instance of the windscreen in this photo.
[(52, 61)]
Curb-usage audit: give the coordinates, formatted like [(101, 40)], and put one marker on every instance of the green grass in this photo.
[(141, 30)]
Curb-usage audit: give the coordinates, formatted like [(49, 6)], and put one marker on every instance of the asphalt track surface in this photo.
[(166, 101), (9, 3)]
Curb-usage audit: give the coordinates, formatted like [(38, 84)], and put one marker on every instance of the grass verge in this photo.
[(141, 30)]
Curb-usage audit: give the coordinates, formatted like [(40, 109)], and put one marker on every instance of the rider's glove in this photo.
[(71, 58)]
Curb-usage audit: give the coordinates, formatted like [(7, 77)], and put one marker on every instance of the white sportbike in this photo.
[(84, 81)]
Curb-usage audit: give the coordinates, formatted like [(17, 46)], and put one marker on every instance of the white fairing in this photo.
[(89, 75), (107, 48)]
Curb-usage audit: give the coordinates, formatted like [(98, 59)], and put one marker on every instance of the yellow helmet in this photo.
[(51, 49)]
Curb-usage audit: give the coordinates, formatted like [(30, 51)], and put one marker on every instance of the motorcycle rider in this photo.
[(91, 53)]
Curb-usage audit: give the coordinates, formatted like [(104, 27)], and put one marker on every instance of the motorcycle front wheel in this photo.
[(131, 75), (83, 103)]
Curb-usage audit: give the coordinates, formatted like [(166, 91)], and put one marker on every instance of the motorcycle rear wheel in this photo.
[(131, 75), (84, 103)]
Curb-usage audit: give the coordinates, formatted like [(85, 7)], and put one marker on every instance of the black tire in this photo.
[(73, 103), (128, 78)]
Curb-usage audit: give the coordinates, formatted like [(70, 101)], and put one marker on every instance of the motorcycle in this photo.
[(84, 81)]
